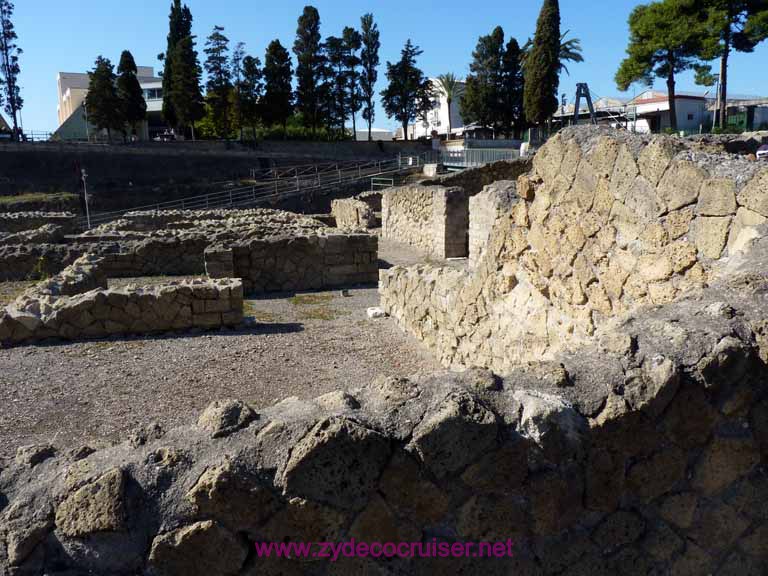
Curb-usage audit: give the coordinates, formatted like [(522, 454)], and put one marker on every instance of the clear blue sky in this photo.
[(67, 36)]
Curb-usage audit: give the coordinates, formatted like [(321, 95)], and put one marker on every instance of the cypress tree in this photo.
[(238, 54), (219, 84), (336, 103), (179, 27), (277, 103), (251, 87), (369, 61), (9, 65), (102, 102), (512, 87), (185, 94), (542, 66), (129, 92), (310, 68), (352, 44)]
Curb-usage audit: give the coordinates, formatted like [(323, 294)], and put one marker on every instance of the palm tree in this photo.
[(449, 85), (570, 51)]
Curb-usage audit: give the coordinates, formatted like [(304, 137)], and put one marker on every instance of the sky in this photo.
[(67, 36)]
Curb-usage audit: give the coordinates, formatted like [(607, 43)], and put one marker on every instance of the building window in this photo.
[(153, 94), (690, 116)]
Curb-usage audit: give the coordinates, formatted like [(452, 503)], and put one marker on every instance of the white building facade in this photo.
[(437, 118)]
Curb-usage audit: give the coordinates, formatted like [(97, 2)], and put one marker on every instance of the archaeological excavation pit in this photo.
[(601, 400)]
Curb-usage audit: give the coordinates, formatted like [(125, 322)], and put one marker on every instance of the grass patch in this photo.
[(36, 197), (310, 299), (251, 311)]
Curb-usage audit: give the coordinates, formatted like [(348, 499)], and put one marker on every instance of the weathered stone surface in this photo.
[(754, 195), (222, 418), (34, 454), (679, 509), (99, 506), (655, 158), (492, 519), (618, 529), (711, 235), (681, 184), (338, 462), (723, 462), (717, 198), (413, 496), (203, 548), (658, 474)]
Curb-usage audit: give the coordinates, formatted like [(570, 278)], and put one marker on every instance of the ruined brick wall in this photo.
[(608, 221), (302, 263), (352, 214), (473, 180), (19, 221), (77, 304), (642, 454), (433, 219), (485, 208)]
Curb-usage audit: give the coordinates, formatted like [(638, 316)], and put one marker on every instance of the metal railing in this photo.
[(274, 190)]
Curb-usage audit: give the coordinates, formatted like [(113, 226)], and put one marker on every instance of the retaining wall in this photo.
[(20, 221), (77, 304), (353, 214), (473, 180), (607, 222), (297, 263), (433, 219)]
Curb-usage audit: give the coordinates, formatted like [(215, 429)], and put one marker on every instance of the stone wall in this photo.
[(474, 179), (20, 221), (433, 219), (607, 222), (297, 263), (642, 454), (352, 214), (77, 304), (485, 209)]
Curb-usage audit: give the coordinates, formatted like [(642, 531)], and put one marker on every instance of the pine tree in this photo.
[(369, 61), (730, 25), (512, 87), (129, 92), (542, 66), (251, 87), (664, 39), (179, 27), (102, 102), (352, 45), (409, 93), (9, 66), (277, 103), (238, 54), (310, 68), (185, 95), (480, 101), (219, 84), (336, 103)]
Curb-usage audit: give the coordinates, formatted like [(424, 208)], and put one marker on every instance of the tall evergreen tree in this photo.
[(129, 92), (238, 54), (542, 66), (409, 93), (277, 103), (185, 95), (664, 38), (352, 45), (102, 102), (512, 87), (179, 27), (336, 110), (369, 61), (480, 101), (9, 66), (251, 86), (310, 68), (730, 25), (219, 84)]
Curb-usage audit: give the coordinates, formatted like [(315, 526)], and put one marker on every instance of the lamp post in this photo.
[(717, 106), (84, 175), (87, 134)]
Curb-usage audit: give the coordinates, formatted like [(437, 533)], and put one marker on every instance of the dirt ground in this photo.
[(95, 392)]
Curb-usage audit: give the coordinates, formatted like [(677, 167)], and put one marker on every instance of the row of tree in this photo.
[(10, 94), (671, 36)]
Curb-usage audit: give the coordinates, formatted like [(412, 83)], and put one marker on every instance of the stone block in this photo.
[(96, 507), (711, 234), (754, 195), (717, 198), (681, 184)]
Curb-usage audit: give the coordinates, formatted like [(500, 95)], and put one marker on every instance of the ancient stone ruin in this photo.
[(606, 410)]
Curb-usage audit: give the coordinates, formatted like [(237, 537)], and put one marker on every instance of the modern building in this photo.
[(649, 112), (746, 113), (436, 121), (72, 90), (376, 134)]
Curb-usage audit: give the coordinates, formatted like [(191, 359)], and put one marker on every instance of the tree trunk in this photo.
[(354, 127), (370, 126), (724, 80), (671, 95), (448, 136), (405, 130)]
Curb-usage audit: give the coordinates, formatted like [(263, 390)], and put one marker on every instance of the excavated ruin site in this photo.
[(572, 358)]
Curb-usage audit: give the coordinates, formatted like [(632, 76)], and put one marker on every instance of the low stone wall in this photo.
[(153, 256), (20, 221), (473, 180), (642, 455), (433, 219), (301, 263), (485, 209), (352, 214), (77, 304), (262, 219), (607, 222)]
